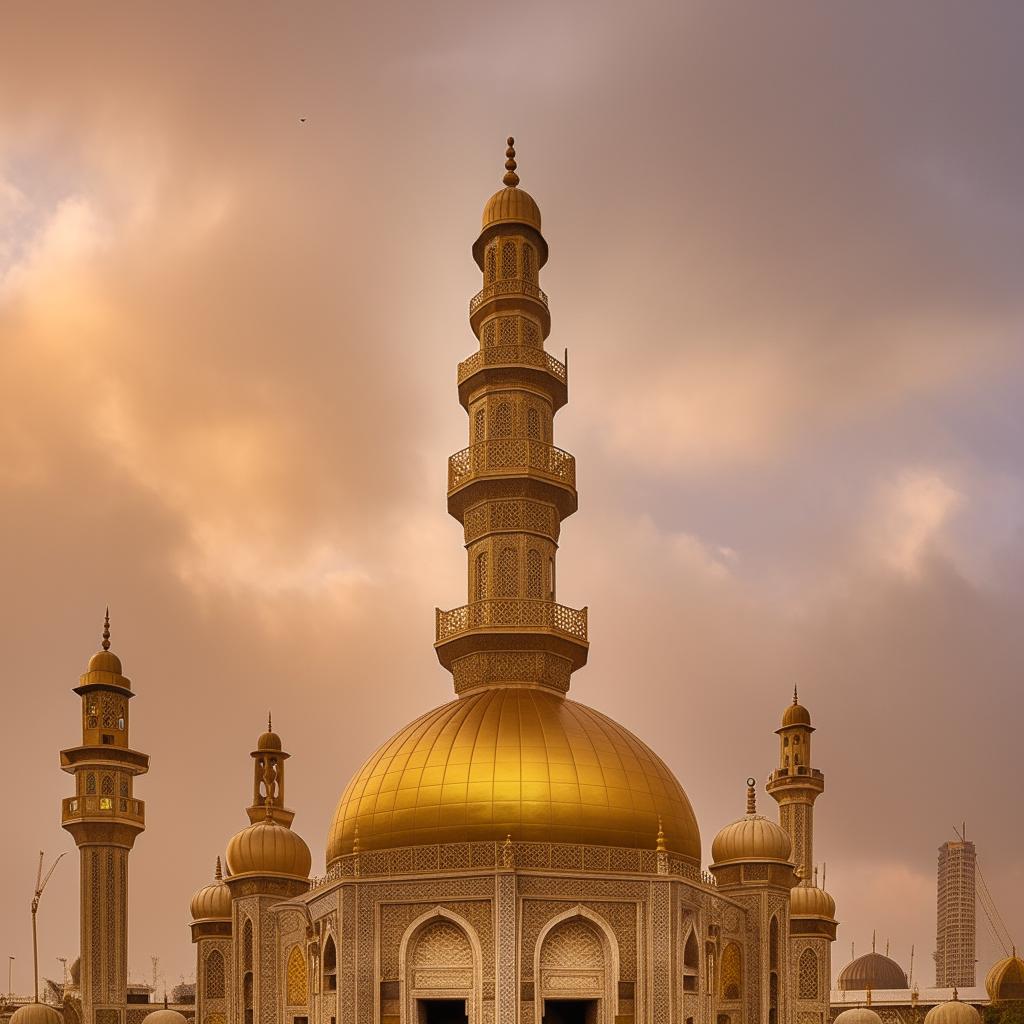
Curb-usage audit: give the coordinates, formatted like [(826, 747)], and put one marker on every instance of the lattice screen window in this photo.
[(479, 422), (296, 977), (508, 259), (480, 577), (215, 1018), (490, 264), (731, 972), (507, 332), (90, 783), (531, 334), (508, 572), (503, 420), (534, 574), (247, 945), (215, 975), (533, 430), (807, 986), (529, 263), (107, 786), (124, 786), (488, 334)]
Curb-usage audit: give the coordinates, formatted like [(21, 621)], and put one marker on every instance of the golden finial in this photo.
[(873, 941), (218, 875), (886, 947), (661, 846), (795, 698), (956, 995), (106, 630), (269, 808), (815, 876), (869, 995), (511, 179), (270, 723), (751, 796)]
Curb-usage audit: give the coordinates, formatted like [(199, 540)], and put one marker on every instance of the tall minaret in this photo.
[(105, 818), (795, 784), (511, 487)]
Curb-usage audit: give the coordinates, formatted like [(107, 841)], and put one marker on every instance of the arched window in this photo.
[(807, 983), (731, 972), (479, 423), (533, 424), (508, 259), (691, 963), (529, 267), (107, 786), (215, 975), (534, 574), (773, 945), (480, 577), (503, 420), (508, 572), (247, 997), (90, 783), (330, 965), (296, 977), (490, 264), (247, 945)]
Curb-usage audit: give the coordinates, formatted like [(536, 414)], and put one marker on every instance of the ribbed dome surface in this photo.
[(512, 205), (164, 1016), (212, 903), (268, 848), (1006, 979), (36, 1013), (269, 741), (874, 971), (518, 761), (810, 901), (796, 714), (753, 837), (953, 1012), (858, 1015)]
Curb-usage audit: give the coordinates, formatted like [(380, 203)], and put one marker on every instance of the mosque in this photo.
[(513, 856)]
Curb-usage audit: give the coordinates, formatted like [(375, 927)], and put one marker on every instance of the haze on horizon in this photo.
[(786, 257)]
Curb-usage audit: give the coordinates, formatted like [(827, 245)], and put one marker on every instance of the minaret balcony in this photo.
[(509, 293), (510, 364), (517, 623), (100, 808)]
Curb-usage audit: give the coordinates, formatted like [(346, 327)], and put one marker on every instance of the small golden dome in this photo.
[(858, 1015), (808, 900), (213, 901), (796, 713), (1005, 981), (874, 971), (164, 1016), (511, 205), (105, 661), (753, 837), (268, 848), (269, 740), (36, 1013), (953, 1012), (514, 760)]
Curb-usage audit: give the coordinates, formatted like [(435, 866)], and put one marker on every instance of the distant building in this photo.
[(955, 929)]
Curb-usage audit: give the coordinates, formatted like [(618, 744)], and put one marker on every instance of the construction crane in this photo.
[(40, 886)]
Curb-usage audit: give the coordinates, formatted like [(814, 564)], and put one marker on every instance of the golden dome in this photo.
[(874, 971), (269, 740), (858, 1015), (519, 761), (953, 1012), (213, 901), (809, 901), (36, 1013), (753, 837), (268, 848), (1006, 979), (105, 661), (164, 1016), (796, 713), (511, 205)]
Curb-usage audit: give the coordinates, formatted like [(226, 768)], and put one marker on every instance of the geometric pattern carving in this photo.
[(442, 944), (297, 977), (215, 975), (216, 1018), (572, 945), (731, 972), (511, 666), (808, 974)]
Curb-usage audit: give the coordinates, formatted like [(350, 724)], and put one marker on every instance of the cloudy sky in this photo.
[(787, 244)]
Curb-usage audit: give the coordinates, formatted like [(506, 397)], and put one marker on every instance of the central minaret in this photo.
[(511, 488), (105, 818)]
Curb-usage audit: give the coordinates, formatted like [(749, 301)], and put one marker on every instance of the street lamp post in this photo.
[(10, 972)]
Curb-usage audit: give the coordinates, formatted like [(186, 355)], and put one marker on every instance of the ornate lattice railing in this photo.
[(103, 806), (512, 612), (488, 856), (508, 286), (512, 355), (509, 456)]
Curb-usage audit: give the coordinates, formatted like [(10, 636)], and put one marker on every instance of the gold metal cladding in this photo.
[(524, 761)]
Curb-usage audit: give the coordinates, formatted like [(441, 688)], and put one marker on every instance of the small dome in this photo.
[(953, 1012), (268, 848), (796, 714), (858, 1015), (37, 1013), (1005, 980), (213, 901), (269, 741), (105, 661), (511, 206), (809, 901), (164, 1016), (874, 971), (753, 837)]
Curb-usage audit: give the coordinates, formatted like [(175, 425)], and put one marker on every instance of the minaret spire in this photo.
[(106, 630), (511, 487)]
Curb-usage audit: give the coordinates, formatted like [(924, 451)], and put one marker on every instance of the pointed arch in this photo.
[(808, 985), (214, 975), (297, 976), (731, 972), (329, 965)]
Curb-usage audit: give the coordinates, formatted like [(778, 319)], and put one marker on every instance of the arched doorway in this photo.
[(441, 968), (576, 973)]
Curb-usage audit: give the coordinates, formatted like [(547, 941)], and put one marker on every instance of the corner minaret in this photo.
[(795, 784), (268, 779), (511, 488), (104, 818)]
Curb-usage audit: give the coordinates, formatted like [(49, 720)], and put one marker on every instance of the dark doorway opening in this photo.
[(441, 1011), (570, 1011)]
